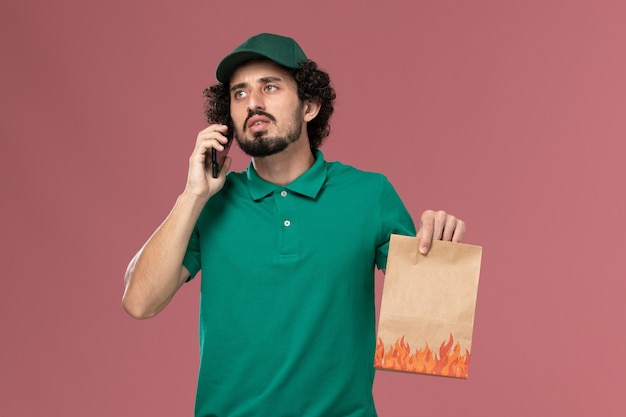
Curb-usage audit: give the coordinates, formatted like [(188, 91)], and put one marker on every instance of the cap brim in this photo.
[(229, 64)]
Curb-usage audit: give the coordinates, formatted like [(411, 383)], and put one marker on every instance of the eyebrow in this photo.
[(264, 80)]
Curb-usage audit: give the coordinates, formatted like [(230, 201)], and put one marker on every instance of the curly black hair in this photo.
[(312, 83)]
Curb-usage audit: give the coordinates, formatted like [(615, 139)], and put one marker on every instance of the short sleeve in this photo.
[(394, 219), (191, 260)]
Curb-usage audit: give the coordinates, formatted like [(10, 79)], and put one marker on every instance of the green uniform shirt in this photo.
[(287, 317)]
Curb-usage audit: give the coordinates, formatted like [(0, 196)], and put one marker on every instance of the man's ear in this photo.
[(311, 108)]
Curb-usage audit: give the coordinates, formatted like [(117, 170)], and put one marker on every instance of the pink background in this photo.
[(509, 114)]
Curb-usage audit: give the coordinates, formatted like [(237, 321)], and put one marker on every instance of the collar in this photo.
[(308, 184)]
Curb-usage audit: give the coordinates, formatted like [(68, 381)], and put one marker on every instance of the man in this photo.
[(287, 248)]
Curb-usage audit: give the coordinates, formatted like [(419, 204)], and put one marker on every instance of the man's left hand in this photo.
[(439, 225)]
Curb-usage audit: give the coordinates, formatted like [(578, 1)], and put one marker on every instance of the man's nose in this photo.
[(255, 100)]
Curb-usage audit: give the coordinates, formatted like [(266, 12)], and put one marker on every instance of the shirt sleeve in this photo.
[(394, 219), (191, 260)]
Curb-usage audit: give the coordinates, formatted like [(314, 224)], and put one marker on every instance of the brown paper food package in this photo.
[(427, 308)]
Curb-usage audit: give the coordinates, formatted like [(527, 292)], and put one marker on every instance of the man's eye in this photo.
[(271, 88), (239, 94)]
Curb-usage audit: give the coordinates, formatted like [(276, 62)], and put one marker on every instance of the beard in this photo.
[(262, 145)]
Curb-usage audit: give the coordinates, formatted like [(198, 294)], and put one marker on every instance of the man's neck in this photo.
[(284, 167)]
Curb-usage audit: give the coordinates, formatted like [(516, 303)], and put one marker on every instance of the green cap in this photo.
[(280, 49)]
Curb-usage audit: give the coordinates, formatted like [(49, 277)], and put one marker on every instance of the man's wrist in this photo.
[(191, 199)]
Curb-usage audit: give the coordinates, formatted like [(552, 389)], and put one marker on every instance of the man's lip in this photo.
[(256, 119)]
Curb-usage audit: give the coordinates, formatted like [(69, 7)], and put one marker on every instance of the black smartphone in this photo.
[(218, 157)]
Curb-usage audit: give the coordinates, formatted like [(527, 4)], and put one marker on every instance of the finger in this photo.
[(426, 231), (440, 223), (205, 144), (449, 228), (213, 128), (215, 132), (459, 231)]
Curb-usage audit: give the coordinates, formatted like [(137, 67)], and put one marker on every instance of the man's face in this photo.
[(267, 114)]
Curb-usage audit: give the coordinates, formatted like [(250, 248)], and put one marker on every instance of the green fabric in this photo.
[(287, 317), (280, 49)]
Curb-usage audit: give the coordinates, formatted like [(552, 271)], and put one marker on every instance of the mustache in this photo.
[(257, 113)]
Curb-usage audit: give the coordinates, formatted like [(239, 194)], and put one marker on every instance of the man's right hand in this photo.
[(200, 181)]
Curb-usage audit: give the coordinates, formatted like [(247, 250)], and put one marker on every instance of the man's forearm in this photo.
[(156, 272)]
